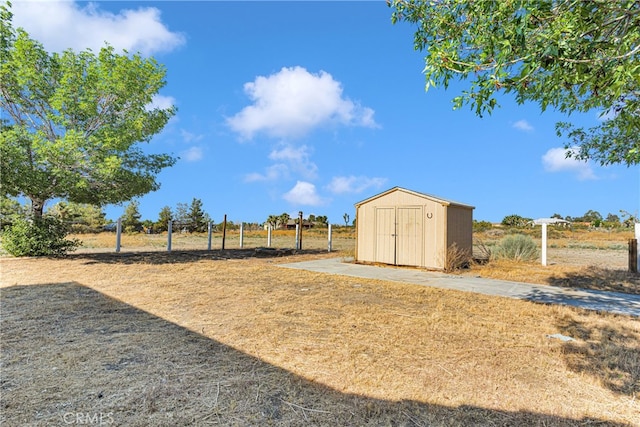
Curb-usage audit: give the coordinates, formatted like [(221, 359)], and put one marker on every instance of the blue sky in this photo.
[(314, 106)]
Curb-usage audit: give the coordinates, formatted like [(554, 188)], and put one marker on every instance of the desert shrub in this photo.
[(39, 237), (481, 226), (457, 258), (516, 247)]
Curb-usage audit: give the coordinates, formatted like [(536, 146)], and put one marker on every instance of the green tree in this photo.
[(165, 215), (322, 219), (181, 218), (346, 219), (272, 220), (131, 219), (10, 211), (574, 56), (283, 219), (515, 221), (612, 221), (80, 217), (72, 123), (197, 218)]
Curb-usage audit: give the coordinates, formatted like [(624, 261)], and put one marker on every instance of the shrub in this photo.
[(457, 258), (479, 226), (40, 237), (516, 247)]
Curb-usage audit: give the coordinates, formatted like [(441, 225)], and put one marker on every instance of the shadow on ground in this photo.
[(601, 279), (609, 353), (180, 256), (71, 354)]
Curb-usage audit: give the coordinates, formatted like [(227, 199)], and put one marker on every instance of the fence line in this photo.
[(298, 236)]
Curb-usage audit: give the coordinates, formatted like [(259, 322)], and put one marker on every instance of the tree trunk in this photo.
[(37, 207)]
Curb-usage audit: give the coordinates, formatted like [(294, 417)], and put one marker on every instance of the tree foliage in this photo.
[(131, 222), (515, 221), (72, 123), (79, 217), (198, 219), (165, 215), (10, 211), (571, 55)]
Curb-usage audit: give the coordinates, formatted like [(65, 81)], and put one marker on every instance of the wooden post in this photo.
[(169, 232), (209, 232), (118, 234), (241, 235), (633, 255), (224, 231)]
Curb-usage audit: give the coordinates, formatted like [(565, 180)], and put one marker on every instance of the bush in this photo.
[(479, 226), (40, 237), (516, 247), (457, 258)]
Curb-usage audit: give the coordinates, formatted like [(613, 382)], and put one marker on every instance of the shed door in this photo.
[(409, 236), (385, 235), (399, 235)]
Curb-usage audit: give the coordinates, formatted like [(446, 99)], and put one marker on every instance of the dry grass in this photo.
[(214, 338)]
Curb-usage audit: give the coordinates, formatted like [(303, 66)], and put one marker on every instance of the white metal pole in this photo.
[(544, 244), (329, 236), (241, 235), (169, 231), (118, 234), (209, 231), (269, 236), (297, 234)]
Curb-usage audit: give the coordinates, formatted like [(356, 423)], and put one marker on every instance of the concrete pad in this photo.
[(613, 302)]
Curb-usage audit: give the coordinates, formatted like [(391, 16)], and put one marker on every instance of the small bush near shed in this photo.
[(516, 247)]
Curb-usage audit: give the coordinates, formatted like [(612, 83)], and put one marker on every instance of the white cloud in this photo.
[(272, 173), (303, 193), (293, 102), (297, 159), (189, 137), (354, 184), (162, 102), (192, 154), (556, 160), (60, 25), (523, 125)]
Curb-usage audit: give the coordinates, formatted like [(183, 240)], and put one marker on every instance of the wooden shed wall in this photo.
[(460, 227)]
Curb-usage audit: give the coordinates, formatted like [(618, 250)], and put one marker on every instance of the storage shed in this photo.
[(404, 227)]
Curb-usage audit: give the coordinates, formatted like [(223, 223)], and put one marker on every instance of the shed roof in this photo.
[(440, 200)]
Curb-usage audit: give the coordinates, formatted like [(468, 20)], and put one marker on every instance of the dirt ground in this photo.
[(192, 337)]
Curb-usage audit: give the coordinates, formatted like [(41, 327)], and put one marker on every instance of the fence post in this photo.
[(241, 235), (329, 237), (633, 255), (269, 236), (297, 234), (169, 231), (118, 234), (224, 230), (209, 231)]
